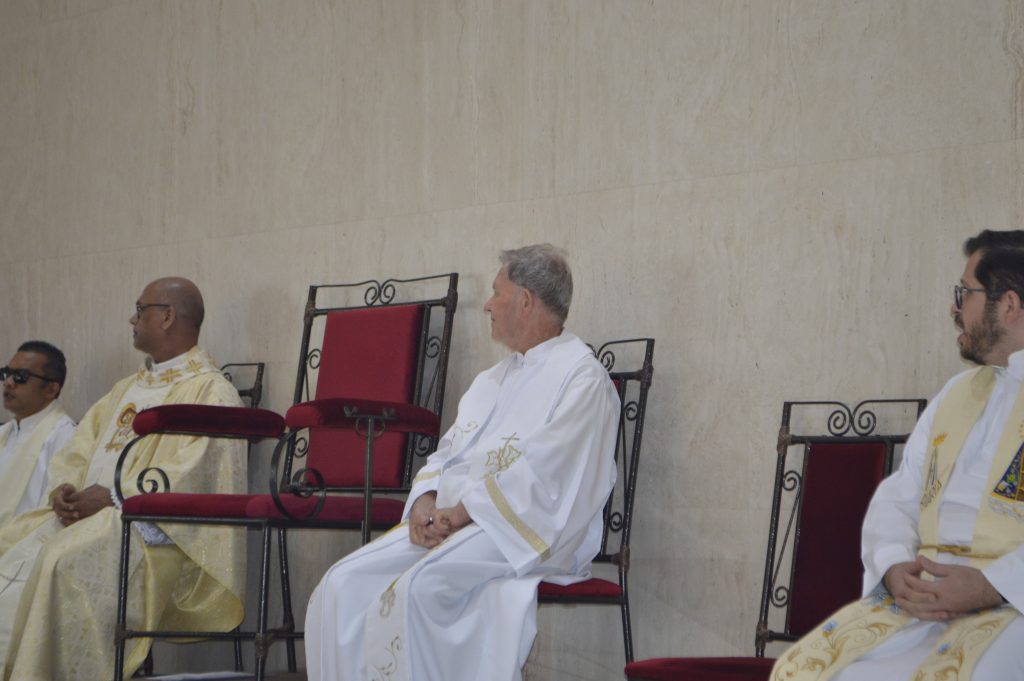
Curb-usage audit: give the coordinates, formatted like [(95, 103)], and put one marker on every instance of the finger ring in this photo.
[(430, 520)]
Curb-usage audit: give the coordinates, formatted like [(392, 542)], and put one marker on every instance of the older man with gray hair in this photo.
[(512, 496)]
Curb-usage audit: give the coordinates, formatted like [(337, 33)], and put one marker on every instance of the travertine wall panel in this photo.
[(775, 190)]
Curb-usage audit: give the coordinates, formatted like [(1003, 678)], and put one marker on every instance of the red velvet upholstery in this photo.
[(828, 569), (701, 669), (338, 412), (589, 589), (370, 353), (209, 420), (341, 509), (188, 505)]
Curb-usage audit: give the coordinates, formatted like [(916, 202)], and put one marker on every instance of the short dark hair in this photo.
[(990, 238), (56, 367), (999, 270)]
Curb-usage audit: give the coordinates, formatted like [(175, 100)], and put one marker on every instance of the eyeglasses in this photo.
[(141, 307), (958, 294), (21, 376)]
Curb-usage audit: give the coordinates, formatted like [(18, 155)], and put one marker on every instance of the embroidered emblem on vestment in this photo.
[(501, 458), (1007, 495), (124, 429), (932, 484), (387, 670), (170, 375)]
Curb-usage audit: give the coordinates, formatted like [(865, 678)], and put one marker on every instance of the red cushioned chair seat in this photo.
[(337, 509), (209, 420), (182, 504), (590, 588), (335, 412), (701, 669)]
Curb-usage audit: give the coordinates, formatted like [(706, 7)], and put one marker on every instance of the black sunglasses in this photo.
[(21, 376)]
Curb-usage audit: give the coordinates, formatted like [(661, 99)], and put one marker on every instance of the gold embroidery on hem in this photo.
[(510, 516), (388, 670)]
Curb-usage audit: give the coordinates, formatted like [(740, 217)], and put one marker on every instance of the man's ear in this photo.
[(170, 316), (1011, 305), (528, 300), (52, 390)]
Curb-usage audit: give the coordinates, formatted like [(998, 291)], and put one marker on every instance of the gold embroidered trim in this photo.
[(420, 477), (959, 550), (524, 531)]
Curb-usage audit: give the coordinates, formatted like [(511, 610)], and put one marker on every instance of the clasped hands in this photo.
[(71, 505), (957, 589), (430, 525)]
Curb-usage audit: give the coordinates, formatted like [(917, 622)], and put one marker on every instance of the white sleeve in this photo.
[(35, 491)]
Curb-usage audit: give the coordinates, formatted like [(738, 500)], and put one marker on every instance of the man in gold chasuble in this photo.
[(63, 558), (943, 539)]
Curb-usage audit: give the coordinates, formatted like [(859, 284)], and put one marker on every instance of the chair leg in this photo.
[(262, 642), (627, 628), (122, 602), (238, 652), (286, 599)]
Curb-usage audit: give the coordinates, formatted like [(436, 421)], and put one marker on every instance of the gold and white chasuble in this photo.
[(65, 617), (963, 414), (530, 456)]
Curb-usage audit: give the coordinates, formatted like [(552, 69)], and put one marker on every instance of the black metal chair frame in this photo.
[(252, 395), (429, 392), (633, 386), (844, 425)]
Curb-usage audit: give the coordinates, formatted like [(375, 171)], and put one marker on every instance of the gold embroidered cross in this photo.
[(503, 457)]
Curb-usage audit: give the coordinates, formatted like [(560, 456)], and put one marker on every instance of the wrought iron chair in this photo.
[(630, 366), (823, 484), (247, 377), (373, 375)]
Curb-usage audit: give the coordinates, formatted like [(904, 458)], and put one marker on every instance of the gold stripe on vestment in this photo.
[(515, 521), (958, 550)]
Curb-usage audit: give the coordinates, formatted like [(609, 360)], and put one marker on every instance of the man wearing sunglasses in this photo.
[(943, 538), (67, 554), (32, 381)]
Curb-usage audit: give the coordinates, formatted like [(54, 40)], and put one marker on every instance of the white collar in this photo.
[(27, 424)]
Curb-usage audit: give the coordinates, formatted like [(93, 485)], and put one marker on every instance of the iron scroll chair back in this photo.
[(631, 368), (374, 371), (830, 458), (391, 349)]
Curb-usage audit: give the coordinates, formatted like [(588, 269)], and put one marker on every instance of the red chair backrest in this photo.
[(371, 353), (838, 482)]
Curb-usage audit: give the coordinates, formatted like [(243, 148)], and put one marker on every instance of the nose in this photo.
[(953, 310), (487, 305)]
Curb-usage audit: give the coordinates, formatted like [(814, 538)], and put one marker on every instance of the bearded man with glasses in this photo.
[(58, 564), (943, 538)]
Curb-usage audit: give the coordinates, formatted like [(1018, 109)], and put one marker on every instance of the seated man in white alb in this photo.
[(512, 496), (32, 383), (180, 577)]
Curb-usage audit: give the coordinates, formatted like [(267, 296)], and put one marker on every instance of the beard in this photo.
[(980, 340)]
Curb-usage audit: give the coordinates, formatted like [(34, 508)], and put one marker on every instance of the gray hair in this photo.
[(543, 269)]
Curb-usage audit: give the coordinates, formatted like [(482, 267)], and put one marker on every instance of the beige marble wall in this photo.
[(776, 190)]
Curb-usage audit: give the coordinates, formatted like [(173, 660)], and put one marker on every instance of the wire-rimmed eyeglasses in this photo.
[(958, 294)]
